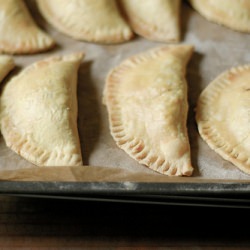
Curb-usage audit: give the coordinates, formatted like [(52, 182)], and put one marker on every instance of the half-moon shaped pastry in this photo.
[(156, 20), (19, 34), (6, 65), (88, 20), (233, 14), (223, 116), (146, 98), (39, 112)]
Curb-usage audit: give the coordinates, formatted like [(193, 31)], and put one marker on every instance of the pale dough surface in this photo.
[(19, 34), (6, 65), (93, 21), (223, 116), (39, 112), (157, 20), (146, 97), (234, 14)]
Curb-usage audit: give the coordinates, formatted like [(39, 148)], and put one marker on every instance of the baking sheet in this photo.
[(217, 49)]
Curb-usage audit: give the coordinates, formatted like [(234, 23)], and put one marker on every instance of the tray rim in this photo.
[(127, 188), (219, 195)]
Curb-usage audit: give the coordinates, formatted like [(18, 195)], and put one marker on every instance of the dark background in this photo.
[(41, 223)]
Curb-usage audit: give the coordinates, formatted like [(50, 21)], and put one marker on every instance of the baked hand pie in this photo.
[(6, 65), (146, 99), (223, 116), (93, 21), (234, 14), (19, 34), (157, 20), (39, 112)]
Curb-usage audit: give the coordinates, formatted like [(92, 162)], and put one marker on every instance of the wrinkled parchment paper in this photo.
[(217, 49)]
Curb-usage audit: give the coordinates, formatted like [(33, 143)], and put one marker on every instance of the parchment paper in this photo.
[(217, 49)]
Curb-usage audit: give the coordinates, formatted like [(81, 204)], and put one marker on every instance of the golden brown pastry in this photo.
[(39, 112), (146, 98), (156, 20), (223, 116), (6, 65), (19, 34), (88, 20), (234, 14)]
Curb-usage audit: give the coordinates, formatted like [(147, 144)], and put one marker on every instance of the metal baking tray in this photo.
[(214, 182), (226, 195)]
